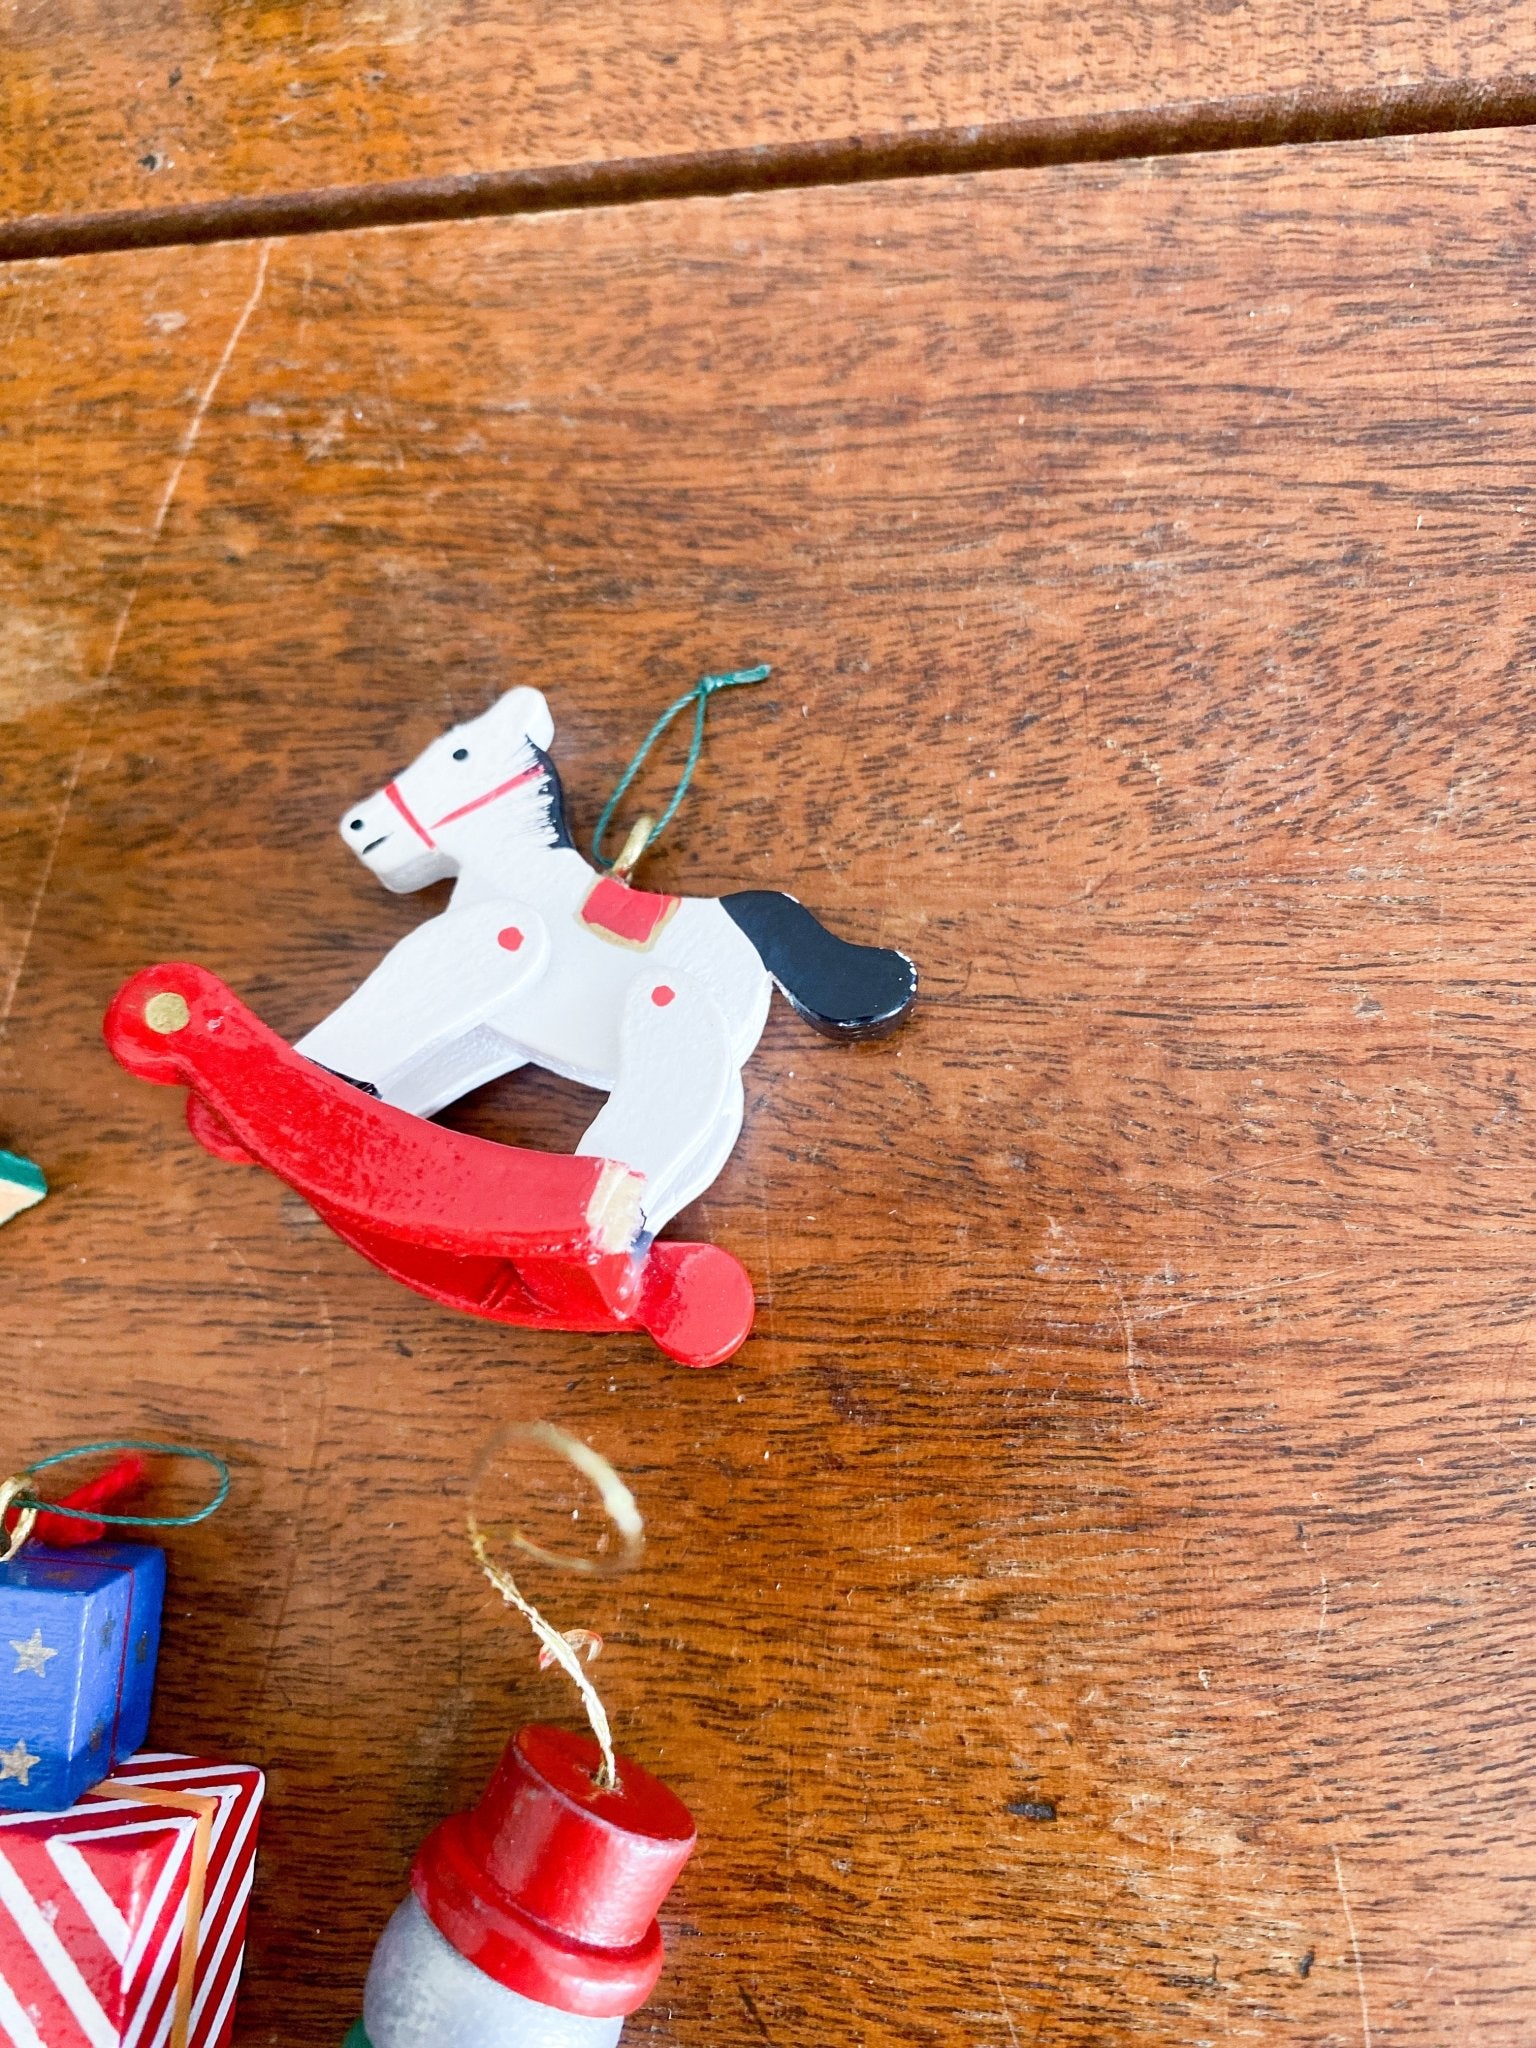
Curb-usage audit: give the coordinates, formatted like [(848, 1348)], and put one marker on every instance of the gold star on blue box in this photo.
[(79, 1634)]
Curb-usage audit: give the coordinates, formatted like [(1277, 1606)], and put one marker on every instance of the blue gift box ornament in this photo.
[(79, 1635)]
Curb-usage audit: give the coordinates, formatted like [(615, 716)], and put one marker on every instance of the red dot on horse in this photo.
[(663, 995), (511, 938)]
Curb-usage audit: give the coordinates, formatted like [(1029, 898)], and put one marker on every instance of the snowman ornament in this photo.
[(531, 1921)]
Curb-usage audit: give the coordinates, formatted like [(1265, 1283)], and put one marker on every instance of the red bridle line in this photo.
[(528, 775), (392, 791), (400, 804)]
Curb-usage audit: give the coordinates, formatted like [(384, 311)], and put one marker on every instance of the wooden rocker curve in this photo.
[(537, 1239)]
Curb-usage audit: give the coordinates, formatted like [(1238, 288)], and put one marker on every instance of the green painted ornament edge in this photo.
[(357, 2038), (22, 1171), (21, 1185)]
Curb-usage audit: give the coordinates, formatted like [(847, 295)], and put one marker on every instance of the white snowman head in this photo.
[(423, 1994), (552, 1884)]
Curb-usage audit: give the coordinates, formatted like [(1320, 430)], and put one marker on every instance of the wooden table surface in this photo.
[(1093, 1608), (137, 107)]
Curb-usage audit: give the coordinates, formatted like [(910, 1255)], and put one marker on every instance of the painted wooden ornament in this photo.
[(123, 1922), (122, 1897), (81, 1620), (532, 1919), (21, 1185), (80, 1630), (655, 1000)]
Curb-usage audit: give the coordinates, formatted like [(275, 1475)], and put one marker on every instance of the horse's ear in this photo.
[(523, 711)]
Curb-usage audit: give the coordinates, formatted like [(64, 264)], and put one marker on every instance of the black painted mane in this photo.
[(554, 797)]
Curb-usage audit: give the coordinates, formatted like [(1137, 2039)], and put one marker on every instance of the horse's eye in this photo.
[(461, 753), (357, 824)]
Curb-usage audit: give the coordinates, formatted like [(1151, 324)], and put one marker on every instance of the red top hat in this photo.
[(551, 1886)]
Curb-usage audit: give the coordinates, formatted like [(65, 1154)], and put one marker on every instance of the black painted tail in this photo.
[(840, 990)]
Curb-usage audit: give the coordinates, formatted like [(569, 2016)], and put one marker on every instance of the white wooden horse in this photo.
[(656, 1000)]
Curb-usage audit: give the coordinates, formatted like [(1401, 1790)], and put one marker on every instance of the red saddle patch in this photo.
[(631, 917)]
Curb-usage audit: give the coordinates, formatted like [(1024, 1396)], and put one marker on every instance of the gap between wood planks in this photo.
[(1258, 121)]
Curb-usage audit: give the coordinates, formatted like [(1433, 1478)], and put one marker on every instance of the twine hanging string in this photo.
[(17, 1492), (25, 1516), (699, 696), (557, 1647)]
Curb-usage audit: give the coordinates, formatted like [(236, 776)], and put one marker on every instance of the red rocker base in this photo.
[(535, 1238)]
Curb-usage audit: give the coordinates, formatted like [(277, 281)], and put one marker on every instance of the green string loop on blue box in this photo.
[(127, 1443)]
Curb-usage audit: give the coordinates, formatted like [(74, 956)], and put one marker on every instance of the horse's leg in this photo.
[(704, 1164), (400, 1030), (442, 1075), (675, 1108)]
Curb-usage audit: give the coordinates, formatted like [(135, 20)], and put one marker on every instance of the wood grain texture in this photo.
[(1094, 1607), (157, 103)]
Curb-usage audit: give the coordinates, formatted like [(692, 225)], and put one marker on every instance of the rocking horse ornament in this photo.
[(540, 958)]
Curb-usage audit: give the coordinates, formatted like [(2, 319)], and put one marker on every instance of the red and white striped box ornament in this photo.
[(122, 1921)]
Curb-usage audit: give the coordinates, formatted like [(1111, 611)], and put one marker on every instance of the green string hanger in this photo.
[(698, 697), (126, 1443)]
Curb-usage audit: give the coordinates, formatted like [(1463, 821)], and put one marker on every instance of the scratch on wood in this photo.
[(1002, 1999), (1128, 1331), (184, 455), (749, 2007), (1354, 1943), (36, 910), (22, 294), (306, 1489), (157, 527), (228, 1245), (1130, 1364), (1233, 1295)]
